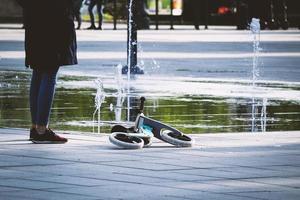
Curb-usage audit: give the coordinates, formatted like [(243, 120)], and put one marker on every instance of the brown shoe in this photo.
[(49, 137)]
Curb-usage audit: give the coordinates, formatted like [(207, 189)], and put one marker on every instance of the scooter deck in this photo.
[(156, 126)]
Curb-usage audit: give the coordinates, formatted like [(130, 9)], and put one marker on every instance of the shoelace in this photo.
[(50, 132)]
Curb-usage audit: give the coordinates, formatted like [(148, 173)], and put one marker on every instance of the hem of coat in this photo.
[(47, 68)]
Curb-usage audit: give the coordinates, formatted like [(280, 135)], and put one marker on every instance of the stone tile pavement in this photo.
[(220, 166)]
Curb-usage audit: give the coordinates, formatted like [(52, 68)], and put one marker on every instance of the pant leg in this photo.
[(196, 4), (90, 9), (33, 94), (78, 17), (45, 96), (99, 11)]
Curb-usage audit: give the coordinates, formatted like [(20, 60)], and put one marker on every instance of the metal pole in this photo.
[(156, 14), (132, 37), (272, 20), (285, 21), (171, 17), (132, 41), (115, 14)]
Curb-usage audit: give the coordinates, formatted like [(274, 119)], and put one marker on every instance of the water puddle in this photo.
[(191, 105)]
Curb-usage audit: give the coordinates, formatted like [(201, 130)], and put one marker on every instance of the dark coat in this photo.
[(50, 38)]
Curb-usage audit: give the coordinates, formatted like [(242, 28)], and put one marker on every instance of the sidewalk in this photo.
[(221, 166)]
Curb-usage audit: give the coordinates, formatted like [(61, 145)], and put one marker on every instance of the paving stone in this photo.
[(7, 189), (29, 184), (279, 195), (45, 195), (88, 167)]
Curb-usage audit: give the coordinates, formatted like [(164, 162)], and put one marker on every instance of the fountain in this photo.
[(99, 99), (263, 115), (255, 29), (131, 67), (120, 93)]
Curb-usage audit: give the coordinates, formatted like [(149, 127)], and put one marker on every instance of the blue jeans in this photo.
[(42, 91)]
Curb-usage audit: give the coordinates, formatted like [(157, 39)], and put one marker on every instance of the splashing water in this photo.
[(130, 44), (99, 99), (119, 80), (155, 104), (120, 93), (153, 65), (156, 65), (263, 115), (255, 29)]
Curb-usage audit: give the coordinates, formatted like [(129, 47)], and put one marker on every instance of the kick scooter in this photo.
[(145, 128)]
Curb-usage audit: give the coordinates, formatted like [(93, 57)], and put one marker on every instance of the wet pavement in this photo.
[(220, 166), (197, 81)]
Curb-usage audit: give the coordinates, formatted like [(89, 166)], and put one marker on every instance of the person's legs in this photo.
[(78, 17), (79, 20), (90, 9), (196, 13), (45, 97), (33, 96), (41, 98), (100, 13)]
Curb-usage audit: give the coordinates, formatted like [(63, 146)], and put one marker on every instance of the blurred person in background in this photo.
[(99, 5), (242, 14), (196, 6), (77, 13)]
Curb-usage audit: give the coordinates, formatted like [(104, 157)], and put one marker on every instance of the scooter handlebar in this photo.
[(143, 99)]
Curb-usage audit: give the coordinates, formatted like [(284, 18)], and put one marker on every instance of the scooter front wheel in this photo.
[(176, 139), (124, 140)]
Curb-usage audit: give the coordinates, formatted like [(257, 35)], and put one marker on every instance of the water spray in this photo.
[(255, 29), (99, 99)]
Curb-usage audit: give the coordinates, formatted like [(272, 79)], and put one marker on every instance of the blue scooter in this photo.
[(145, 129)]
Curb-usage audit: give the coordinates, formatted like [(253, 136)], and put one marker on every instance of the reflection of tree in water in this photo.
[(14, 101), (134, 108), (190, 114)]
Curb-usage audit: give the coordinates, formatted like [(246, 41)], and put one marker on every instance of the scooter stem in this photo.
[(143, 99)]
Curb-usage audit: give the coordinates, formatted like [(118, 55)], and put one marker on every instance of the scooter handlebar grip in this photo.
[(143, 99)]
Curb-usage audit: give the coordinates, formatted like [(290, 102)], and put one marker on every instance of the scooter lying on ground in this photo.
[(144, 130)]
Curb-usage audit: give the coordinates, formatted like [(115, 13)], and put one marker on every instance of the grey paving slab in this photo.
[(254, 172), (289, 182), (89, 167), (8, 189), (11, 173), (30, 184), (45, 195), (268, 195), (145, 191)]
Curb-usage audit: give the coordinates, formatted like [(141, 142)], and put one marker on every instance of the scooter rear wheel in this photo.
[(124, 140), (177, 140)]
